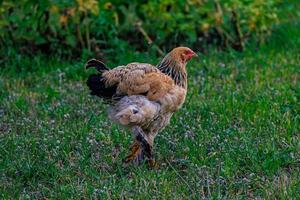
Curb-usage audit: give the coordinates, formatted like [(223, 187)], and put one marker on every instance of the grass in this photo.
[(236, 137)]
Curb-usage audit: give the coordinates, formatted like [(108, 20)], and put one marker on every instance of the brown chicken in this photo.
[(143, 97)]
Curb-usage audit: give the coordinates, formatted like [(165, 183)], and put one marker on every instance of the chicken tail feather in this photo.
[(100, 66), (96, 83)]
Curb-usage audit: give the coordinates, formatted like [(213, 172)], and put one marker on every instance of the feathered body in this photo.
[(142, 96)]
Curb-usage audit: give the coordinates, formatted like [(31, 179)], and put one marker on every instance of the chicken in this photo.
[(143, 97)]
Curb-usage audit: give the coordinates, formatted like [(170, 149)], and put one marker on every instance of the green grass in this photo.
[(236, 137)]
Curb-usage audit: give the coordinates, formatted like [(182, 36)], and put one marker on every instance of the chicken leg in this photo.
[(140, 148)]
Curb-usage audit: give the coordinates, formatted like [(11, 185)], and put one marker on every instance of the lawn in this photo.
[(236, 137)]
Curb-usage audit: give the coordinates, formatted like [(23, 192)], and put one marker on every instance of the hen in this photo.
[(143, 97)]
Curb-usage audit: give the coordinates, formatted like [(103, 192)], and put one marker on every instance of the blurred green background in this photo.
[(74, 27)]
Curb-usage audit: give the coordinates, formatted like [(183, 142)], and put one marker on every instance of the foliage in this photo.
[(69, 26)]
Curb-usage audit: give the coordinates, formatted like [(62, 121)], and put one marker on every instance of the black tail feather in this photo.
[(96, 83), (100, 66)]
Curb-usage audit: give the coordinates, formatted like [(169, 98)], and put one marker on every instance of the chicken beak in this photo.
[(195, 56), (191, 55)]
